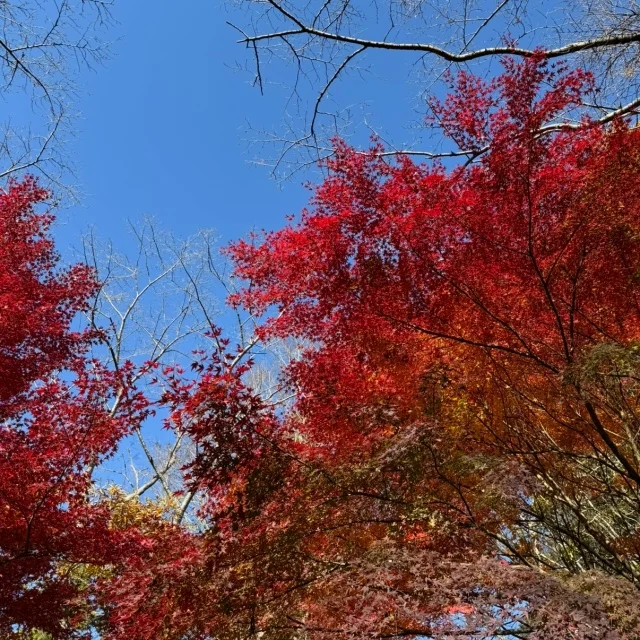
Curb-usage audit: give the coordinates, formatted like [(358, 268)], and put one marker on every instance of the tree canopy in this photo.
[(458, 455)]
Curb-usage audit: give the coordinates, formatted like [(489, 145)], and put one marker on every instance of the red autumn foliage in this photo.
[(37, 302), (55, 425), (461, 458)]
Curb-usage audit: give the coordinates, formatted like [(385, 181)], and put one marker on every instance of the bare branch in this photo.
[(328, 40)]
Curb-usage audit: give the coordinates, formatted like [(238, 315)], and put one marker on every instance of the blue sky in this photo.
[(163, 127)]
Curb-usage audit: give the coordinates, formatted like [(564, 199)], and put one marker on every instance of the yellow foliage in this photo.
[(131, 512)]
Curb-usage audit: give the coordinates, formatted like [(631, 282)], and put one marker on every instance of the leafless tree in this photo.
[(43, 43), (324, 42), (157, 303)]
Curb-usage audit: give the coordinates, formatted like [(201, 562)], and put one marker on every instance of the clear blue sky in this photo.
[(163, 125)]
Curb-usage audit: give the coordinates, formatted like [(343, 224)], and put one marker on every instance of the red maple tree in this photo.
[(461, 459), (55, 425)]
